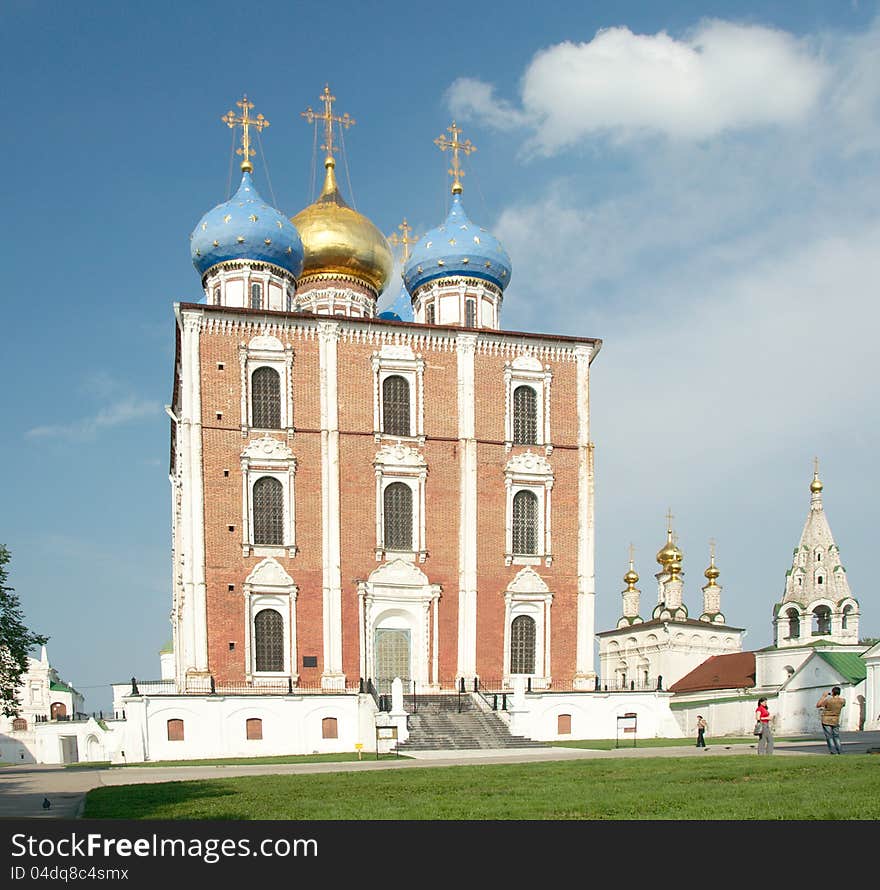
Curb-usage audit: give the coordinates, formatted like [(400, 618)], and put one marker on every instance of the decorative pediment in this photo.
[(397, 352), (265, 342), (398, 573), (526, 363), (527, 580), (399, 455), (267, 448), (269, 573), (530, 464)]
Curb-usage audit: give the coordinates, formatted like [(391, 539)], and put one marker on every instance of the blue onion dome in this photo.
[(457, 247), (246, 228), (388, 315)]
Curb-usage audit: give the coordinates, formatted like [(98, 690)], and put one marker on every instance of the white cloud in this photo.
[(722, 77), (124, 411)]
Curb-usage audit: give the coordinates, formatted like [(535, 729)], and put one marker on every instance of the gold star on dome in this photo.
[(227, 218), (253, 217), (240, 239), (452, 241)]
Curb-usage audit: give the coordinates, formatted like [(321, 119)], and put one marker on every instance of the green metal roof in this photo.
[(847, 664), (168, 647), (57, 686)]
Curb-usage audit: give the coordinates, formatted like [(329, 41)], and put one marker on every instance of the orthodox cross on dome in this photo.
[(244, 120), (329, 119), (669, 518), (632, 551), (404, 239), (712, 549), (456, 145)]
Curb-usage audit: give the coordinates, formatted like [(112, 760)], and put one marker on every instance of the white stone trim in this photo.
[(529, 472), (526, 370), (269, 586), (399, 361), (268, 457), (529, 595), (265, 350), (401, 463)]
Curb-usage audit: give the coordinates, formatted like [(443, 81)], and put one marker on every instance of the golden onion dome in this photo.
[(339, 242), (669, 554), (816, 485), (712, 571), (631, 577)]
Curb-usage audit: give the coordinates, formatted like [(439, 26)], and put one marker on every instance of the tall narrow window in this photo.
[(269, 641), (268, 511), (470, 313), (216, 296), (525, 416), (395, 406), (525, 523), (794, 625), (429, 313), (266, 399), (522, 645), (822, 620), (256, 296), (398, 516)]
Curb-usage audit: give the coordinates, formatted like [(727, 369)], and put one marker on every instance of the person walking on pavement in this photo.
[(702, 726), (831, 704), (762, 715)]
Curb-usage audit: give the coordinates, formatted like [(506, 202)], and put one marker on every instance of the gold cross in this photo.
[(405, 240), (329, 118), (632, 551), (244, 121), (669, 518), (457, 146), (712, 549), (816, 465)]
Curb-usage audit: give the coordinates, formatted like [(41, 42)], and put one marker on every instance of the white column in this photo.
[(333, 676), (586, 574), (467, 572)]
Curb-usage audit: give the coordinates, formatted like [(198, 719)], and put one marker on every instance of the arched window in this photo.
[(256, 296), (430, 313), (525, 523), (794, 624), (844, 620), (269, 640), (563, 724), (19, 724), (268, 511), (254, 728), (216, 296), (522, 645), (175, 730), (398, 514), (329, 728), (395, 406), (821, 620), (525, 416), (470, 313), (266, 399)]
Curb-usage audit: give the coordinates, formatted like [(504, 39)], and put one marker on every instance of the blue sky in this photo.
[(694, 183)]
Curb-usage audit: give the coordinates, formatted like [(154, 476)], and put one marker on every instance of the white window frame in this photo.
[(529, 472), (265, 351), (529, 595), (268, 586), (526, 370), (401, 463), (399, 361), (268, 457)]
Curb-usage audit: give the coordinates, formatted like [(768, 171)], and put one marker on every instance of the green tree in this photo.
[(15, 642)]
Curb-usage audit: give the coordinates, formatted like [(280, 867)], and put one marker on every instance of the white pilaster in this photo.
[(467, 574), (333, 676), (586, 574)]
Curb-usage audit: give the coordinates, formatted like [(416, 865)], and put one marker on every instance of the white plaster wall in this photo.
[(214, 726), (872, 688)]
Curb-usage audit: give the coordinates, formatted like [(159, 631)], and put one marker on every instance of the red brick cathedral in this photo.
[(356, 496)]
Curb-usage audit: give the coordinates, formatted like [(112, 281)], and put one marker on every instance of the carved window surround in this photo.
[(527, 370), (266, 351), (268, 457), (400, 361), (529, 472), (529, 595), (401, 463), (268, 586)]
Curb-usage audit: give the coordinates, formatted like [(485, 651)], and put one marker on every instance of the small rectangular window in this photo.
[(429, 313), (470, 313), (310, 661), (256, 296)]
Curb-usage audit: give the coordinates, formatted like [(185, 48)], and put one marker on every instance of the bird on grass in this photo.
[(46, 803)]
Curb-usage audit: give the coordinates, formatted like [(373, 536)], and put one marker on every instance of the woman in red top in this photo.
[(762, 713)]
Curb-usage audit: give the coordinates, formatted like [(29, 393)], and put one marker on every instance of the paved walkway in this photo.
[(23, 788)]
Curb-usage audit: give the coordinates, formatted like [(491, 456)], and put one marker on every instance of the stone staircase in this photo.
[(437, 724)]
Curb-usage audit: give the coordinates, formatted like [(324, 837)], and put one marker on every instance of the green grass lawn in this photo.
[(735, 787), (341, 757)]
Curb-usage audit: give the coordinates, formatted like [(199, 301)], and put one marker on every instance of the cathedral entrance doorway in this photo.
[(392, 658)]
